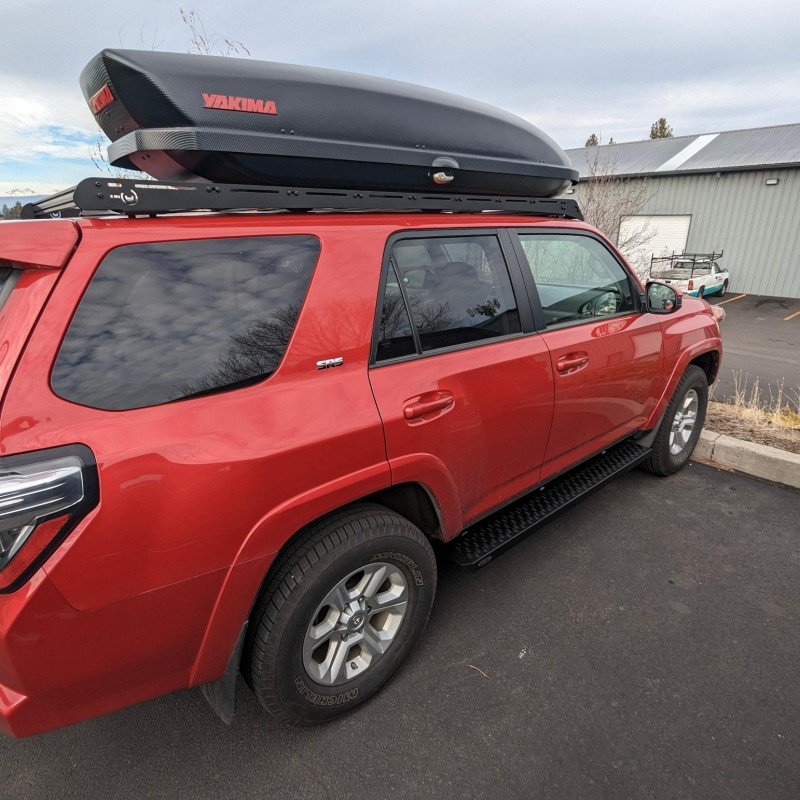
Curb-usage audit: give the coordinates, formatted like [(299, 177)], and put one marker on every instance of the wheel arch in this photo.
[(252, 570), (415, 502), (709, 363), (706, 355)]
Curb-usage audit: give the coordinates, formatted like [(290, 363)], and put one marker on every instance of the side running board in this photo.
[(487, 539)]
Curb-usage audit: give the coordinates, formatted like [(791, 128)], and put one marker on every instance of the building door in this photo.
[(652, 235)]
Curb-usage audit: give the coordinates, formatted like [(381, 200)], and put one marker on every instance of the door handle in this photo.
[(572, 362), (428, 403)]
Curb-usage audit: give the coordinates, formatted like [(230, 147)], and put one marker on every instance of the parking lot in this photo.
[(761, 337), (645, 644)]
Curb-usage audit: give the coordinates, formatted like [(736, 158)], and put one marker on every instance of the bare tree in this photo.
[(205, 44), (200, 43), (606, 199)]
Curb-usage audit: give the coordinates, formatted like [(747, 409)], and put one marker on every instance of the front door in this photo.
[(463, 384), (605, 353)]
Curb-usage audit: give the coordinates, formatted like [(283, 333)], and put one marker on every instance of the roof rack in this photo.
[(693, 257), (97, 196)]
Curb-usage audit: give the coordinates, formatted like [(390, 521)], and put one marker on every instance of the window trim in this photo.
[(530, 281), (516, 276)]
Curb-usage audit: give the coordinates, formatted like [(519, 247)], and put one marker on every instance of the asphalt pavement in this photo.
[(644, 645), (761, 341)]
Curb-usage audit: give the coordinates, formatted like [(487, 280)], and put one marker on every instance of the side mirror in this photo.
[(662, 299)]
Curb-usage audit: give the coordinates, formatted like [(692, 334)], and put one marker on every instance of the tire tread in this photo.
[(347, 527), (658, 463)]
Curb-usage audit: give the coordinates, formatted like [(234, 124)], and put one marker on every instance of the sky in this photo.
[(572, 69)]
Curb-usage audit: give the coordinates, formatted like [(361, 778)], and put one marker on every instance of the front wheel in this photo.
[(343, 610), (723, 290), (680, 428)]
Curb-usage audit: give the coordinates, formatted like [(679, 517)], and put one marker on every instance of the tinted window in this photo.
[(164, 321), (8, 277), (395, 338), (576, 277), (458, 291)]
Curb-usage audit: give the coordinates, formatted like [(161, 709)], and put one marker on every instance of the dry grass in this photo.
[(774, 423)]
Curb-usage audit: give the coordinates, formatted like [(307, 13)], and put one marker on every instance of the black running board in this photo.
[(490, 537)]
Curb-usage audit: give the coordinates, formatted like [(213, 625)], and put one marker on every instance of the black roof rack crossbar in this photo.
[(96, 196), (693, 257)]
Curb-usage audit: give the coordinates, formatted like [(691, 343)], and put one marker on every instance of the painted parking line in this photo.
[(792, 316), (738, 297)]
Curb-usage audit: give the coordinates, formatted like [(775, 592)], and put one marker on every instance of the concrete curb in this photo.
[(759, 460)]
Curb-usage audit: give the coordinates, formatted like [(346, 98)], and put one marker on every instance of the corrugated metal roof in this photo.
[(727, 150)]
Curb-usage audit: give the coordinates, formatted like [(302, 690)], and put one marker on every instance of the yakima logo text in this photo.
[(230, 103), (99, 100)]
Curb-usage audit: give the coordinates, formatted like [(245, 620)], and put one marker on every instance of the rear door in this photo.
[(463, 382), (605, 352)]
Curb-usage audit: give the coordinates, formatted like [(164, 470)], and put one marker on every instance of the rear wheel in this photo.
[(680, 428), (343, 610), (700, 292)]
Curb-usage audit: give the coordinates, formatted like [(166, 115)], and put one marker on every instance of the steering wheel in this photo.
[(606, 303)]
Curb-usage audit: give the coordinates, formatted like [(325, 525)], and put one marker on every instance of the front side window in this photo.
[(165, 321), (576, 277), (453, 290)]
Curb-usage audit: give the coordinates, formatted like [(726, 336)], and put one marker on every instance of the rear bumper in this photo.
[(59, 666)]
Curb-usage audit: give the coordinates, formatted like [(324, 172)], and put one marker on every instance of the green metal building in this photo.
[(737, 191)]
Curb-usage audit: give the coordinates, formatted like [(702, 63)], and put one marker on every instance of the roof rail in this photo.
[(97, 196)]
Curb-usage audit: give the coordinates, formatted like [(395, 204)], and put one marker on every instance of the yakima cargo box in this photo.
[(187, 117)]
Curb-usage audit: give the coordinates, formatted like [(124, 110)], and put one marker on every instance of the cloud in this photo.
[(592, 67), (39, 122)]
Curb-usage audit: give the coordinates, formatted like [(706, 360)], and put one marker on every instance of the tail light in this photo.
[(691, 285), (43, 496)]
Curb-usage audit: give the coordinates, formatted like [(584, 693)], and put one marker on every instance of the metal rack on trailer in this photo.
[(99, 196)]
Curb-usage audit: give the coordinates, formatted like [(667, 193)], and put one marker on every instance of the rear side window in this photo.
[(445, 291), (165, 321), (8, 277)]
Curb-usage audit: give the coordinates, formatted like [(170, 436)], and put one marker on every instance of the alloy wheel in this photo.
[(355, 624), (683, 423)]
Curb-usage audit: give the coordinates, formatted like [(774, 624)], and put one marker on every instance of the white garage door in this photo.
[(643, 236)]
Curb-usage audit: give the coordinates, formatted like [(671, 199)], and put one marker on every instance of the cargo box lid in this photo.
[(183, 117)]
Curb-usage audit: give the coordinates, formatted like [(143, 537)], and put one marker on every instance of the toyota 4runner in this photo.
[(235, 441)]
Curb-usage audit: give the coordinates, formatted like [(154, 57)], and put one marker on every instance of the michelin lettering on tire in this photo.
[(310, 696), (402, 558)]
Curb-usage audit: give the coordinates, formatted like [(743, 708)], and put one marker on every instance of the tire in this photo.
[(723, 290), (700, 293), (679, 430), (363, 579)]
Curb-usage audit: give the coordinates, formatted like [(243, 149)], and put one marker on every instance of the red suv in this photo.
[(230, 441), (234, 441)]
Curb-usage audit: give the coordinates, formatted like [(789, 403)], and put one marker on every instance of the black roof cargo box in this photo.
[(189, 117)]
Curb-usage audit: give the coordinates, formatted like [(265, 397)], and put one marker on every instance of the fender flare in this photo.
[(245, 577), (687, 356)]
